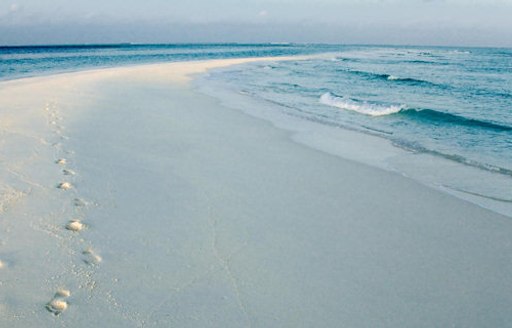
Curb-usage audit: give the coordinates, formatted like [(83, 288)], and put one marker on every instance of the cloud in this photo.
[(263, 13), (14, 7)]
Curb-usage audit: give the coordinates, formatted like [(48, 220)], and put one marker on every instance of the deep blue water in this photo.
[(451, 102)]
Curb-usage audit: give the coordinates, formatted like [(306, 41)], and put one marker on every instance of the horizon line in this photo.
[(284, 43)]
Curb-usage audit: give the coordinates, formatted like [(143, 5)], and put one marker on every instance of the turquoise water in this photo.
[(17, 62), (450, 102), (454, 103)]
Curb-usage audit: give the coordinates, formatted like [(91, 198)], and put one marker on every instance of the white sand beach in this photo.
[(128, 198)]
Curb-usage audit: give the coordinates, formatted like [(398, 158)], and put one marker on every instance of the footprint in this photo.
[(62, 293), (79, 202), (68, 172), (61, 161), (64, 185), (75, 225), (58, 304), (90, 257)]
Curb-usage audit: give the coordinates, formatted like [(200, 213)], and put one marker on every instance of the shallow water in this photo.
[(17, 62), (455, 103), (450, 103)]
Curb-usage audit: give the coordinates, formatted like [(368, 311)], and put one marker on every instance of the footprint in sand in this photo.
[(58, 304), (61, 161), (65, 185), (90, 257), (68, 172), (79, 202), (75, 225), (62, 293)]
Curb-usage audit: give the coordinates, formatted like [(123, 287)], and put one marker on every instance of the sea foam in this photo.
[(362, 107)]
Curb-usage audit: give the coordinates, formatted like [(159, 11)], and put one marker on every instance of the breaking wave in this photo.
[(362, 107), (422, 114)]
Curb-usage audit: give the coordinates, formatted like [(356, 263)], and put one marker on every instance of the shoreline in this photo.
[(210, 64), (195, 74), (438, 172), (195, 213)]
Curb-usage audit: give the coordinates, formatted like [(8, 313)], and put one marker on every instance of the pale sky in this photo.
[(422, 22)]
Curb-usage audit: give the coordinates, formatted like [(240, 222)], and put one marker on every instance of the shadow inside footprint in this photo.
[(65, 185), (58, 304), (90, 257), (75, 225)]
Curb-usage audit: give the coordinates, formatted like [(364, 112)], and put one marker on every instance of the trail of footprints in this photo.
[(58, 304)]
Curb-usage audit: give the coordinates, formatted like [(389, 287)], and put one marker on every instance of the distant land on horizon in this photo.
[(142, 44), (482, 23)]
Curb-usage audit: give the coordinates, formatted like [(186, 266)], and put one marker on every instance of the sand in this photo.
[(199, 215)]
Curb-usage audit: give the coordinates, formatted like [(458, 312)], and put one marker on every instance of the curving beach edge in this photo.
[(130, 198)]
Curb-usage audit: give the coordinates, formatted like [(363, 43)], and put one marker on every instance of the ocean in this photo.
[(455, 103), (26, 61), (452, 103)]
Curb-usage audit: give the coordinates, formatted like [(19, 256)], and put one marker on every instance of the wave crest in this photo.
[(422, 114), (362, 107), (453, 119), (394, 78)]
